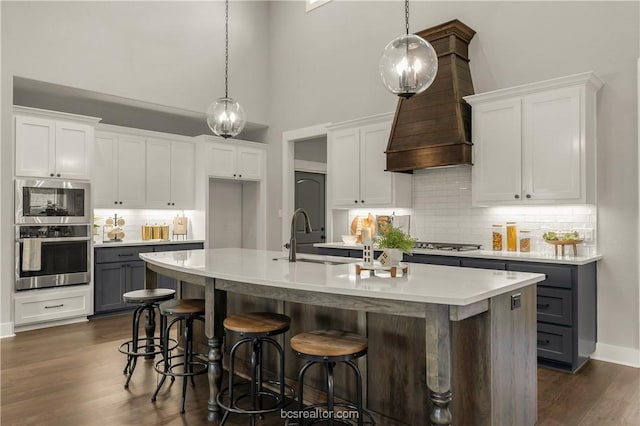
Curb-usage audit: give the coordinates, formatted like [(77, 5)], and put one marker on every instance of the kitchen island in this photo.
[(479, 324)]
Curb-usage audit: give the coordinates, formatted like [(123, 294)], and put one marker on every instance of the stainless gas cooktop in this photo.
[(448, 246)]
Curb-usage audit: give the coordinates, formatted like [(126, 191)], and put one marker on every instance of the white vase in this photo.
[(395, 254)]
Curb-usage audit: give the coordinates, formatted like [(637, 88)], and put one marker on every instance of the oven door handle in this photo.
[(57, 240)]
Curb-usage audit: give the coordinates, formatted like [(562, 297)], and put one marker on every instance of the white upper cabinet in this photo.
[(356, 166), (52, 144), (234, 159), (170, 174), (535, 144), (119, 177)]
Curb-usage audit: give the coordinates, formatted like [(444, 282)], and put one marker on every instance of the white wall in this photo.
[(328, 72), (168, 53)]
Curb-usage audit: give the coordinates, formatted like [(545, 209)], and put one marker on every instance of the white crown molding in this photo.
[(582, 79), (231, 141), (112, 128), (56, 115), (363, 121)]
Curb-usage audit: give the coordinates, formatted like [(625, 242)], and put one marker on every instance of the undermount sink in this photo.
[(326, 262)]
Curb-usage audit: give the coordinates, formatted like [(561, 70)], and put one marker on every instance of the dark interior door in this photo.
[(310, 195)]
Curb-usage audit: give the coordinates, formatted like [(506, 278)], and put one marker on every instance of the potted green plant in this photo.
[(395, 242)]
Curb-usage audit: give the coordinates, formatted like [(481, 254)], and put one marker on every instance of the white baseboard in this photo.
[(48, 324), (617, 354), (6, 330)]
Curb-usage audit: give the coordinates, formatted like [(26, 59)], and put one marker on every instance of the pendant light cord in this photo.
[(226, 49), (406, 15)]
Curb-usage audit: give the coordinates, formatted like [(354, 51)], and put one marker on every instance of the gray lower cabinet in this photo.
[(118, 270), (566, 304)]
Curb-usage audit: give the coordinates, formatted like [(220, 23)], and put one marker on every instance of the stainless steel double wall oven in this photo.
[(52, 232)]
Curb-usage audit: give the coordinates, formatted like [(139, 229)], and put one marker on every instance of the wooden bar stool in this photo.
[(185, 311), (148, 347), (329, 347), (256, 328)]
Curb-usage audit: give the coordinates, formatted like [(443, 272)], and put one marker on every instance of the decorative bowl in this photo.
[(349, 239)]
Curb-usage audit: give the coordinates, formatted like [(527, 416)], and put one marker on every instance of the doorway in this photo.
[(310, 195)]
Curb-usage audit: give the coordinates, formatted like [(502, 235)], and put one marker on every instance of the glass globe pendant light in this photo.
[(409, 63), (225, 116)]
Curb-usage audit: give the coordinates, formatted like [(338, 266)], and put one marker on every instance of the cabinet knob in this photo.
[(239, 175), (362, 201), (355, 201), (528, 195), (516, 196), (168, 204), (115, 202), (58, 175), (120, 202), (51, 174), (173, 204), (234, 175)]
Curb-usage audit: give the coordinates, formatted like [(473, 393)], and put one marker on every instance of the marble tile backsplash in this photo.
[(442, 211)]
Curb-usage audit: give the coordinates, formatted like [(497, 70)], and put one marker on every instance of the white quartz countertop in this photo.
[(127, 243), (424, 283), (489, 254)]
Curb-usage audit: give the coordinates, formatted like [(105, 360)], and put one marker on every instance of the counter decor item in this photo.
[(394, 242), (360, 222), (147, 232), (525, 241), (562, 239), (367, 250), (112, 231), (350, 239), (512, 237), (180, 226), (497, 237)]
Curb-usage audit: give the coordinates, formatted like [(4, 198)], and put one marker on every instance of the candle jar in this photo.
[(497, 237), (512, 237), (525, 241)]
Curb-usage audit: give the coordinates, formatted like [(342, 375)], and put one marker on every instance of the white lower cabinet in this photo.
[(52, 304), (535, 144)]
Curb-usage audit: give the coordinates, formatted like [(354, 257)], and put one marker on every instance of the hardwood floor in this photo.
[(72, 375)]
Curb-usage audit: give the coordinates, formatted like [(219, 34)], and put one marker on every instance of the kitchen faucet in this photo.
[(291, 245)]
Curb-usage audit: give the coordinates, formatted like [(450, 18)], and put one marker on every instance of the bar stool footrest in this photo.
[(143, 344), (223, 398), (200, 366)]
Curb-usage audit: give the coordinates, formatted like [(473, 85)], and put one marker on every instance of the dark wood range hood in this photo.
[(433, 129)]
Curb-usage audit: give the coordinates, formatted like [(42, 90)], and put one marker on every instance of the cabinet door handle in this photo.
[(516, 196), (54, 306), (125, 254), (528, 195), (543, 342), (543, 305)]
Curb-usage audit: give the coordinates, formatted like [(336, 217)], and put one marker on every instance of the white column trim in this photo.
[(288, 172)]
